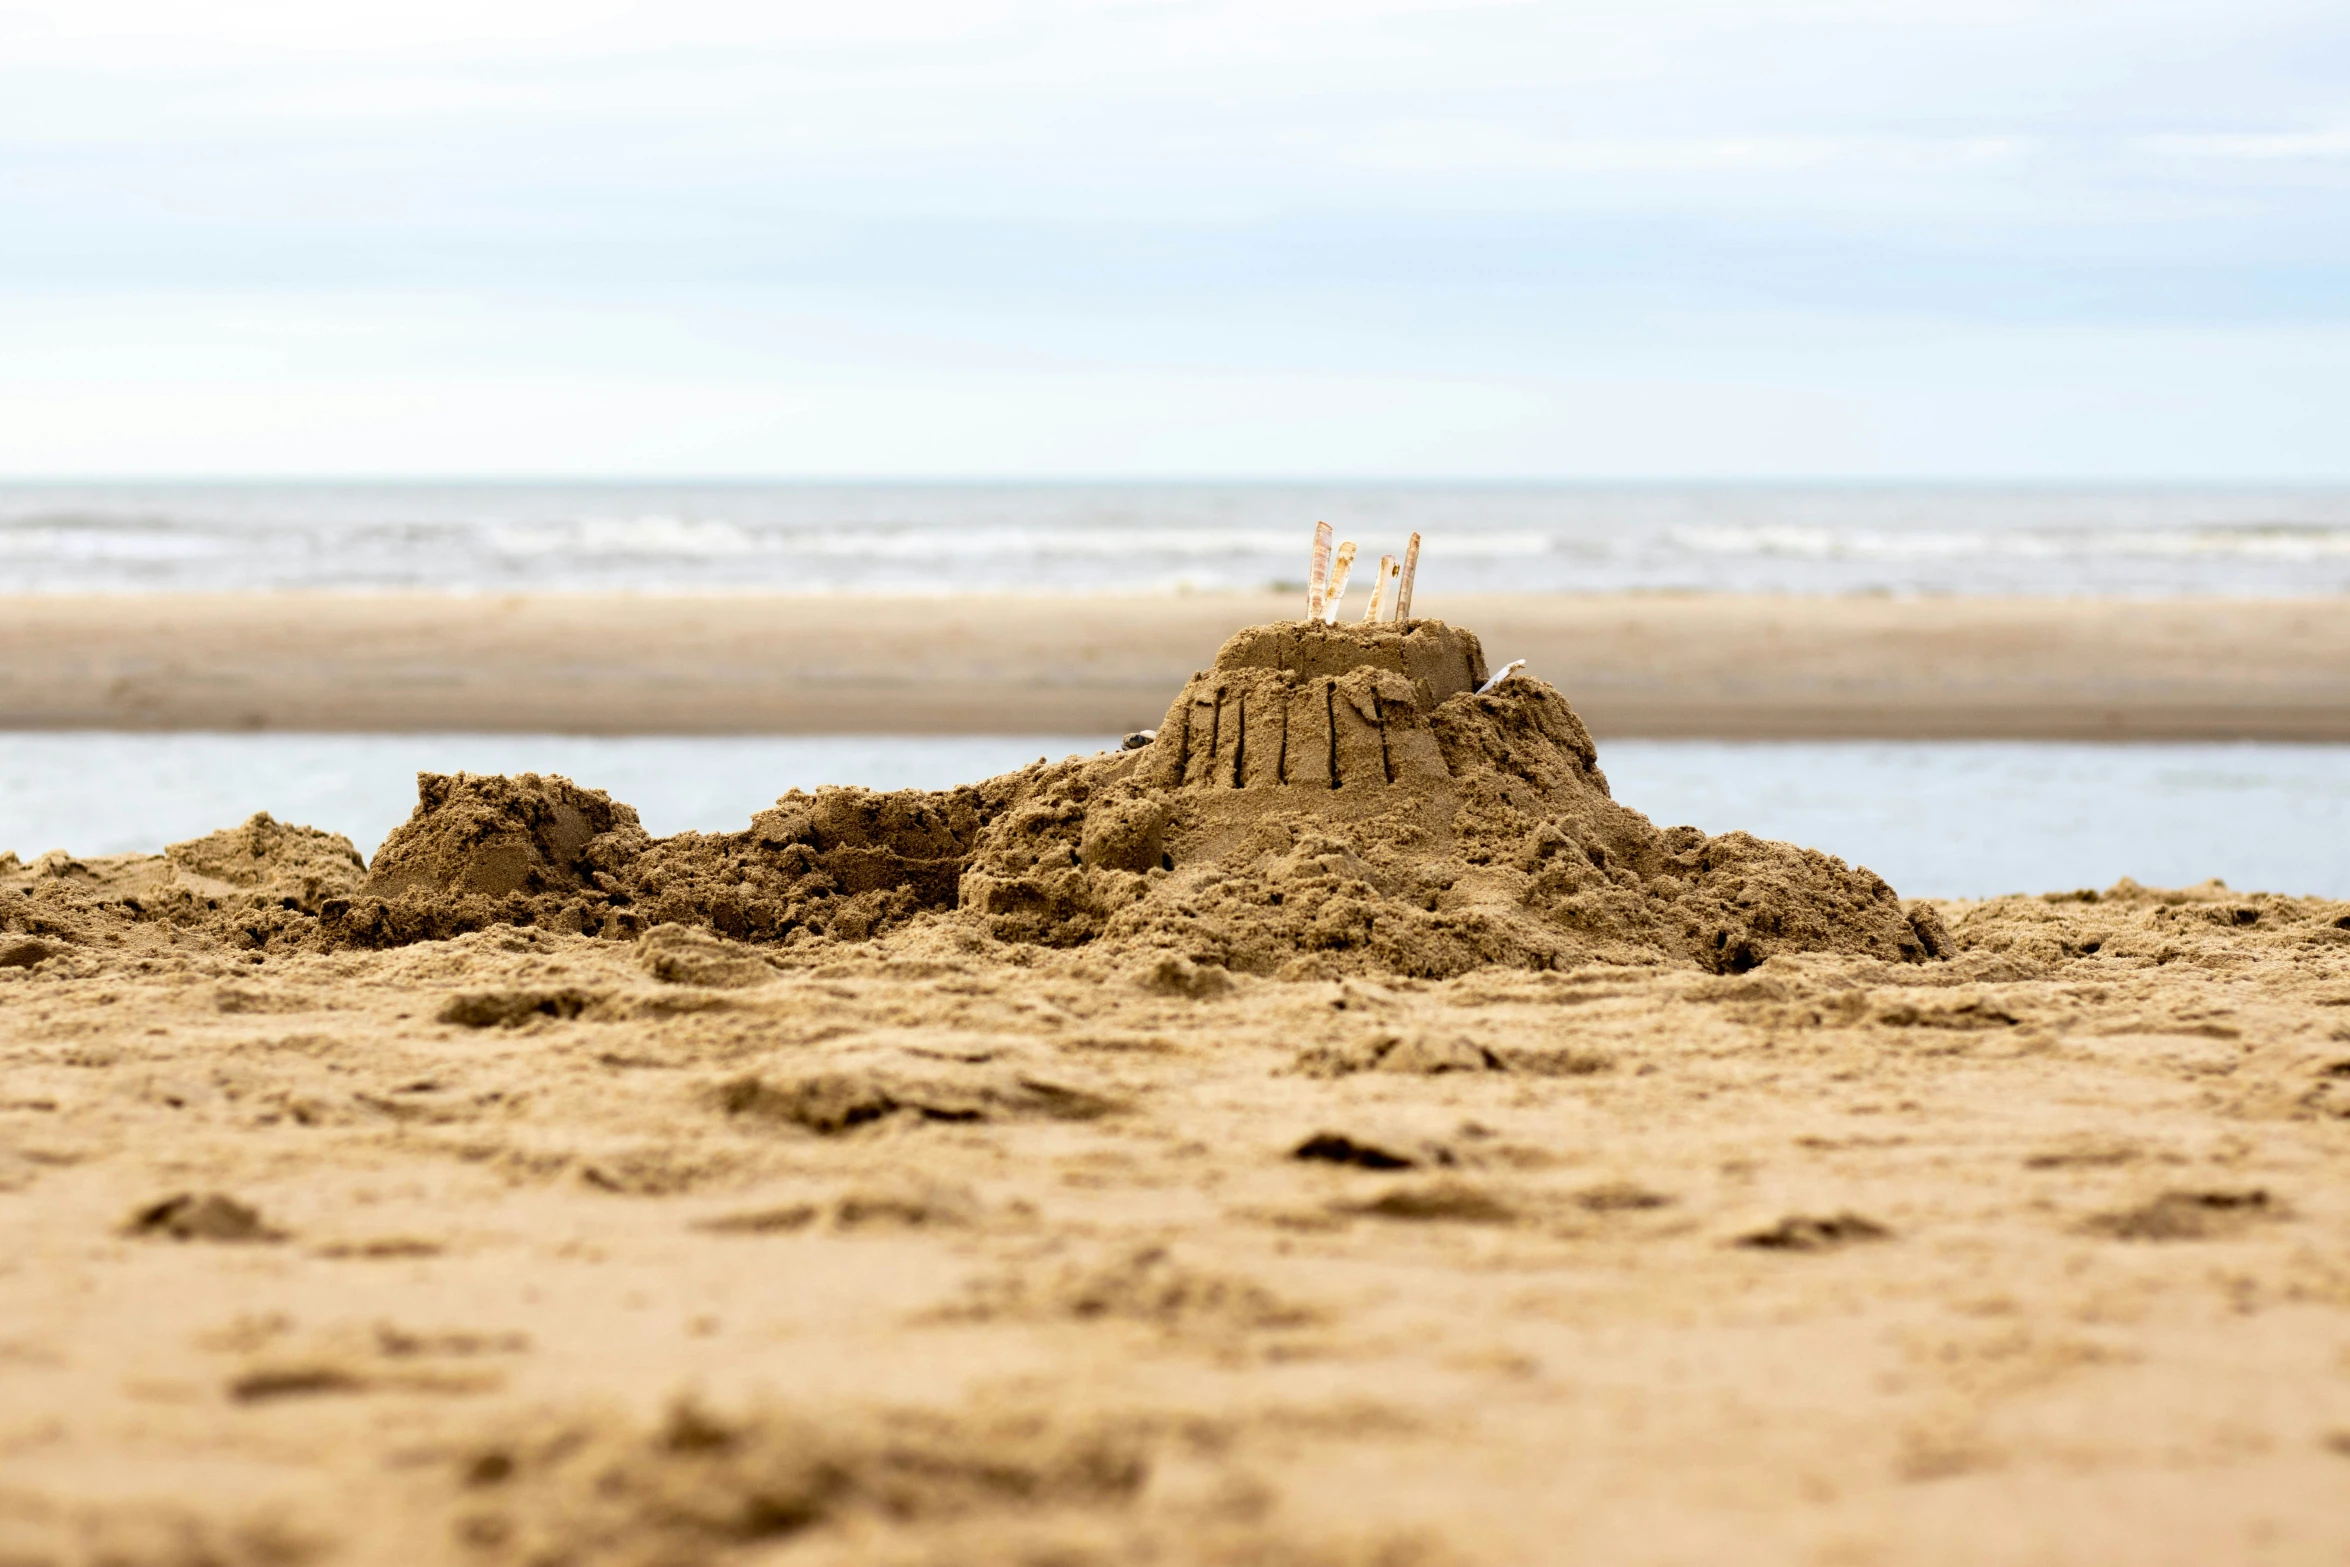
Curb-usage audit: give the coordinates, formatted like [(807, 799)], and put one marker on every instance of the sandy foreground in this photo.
[(1336, 1132), (1732, 667), (529, 1254)]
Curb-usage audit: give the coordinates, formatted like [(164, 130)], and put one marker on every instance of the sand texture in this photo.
[(1337, 1131), (1734, 667)]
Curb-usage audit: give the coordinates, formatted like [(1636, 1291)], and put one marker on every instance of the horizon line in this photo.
[(1174, 481)]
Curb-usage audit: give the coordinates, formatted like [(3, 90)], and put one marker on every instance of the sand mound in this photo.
[(271, 862), (1323, 800), (479, 851), (1336, 799), (262, 884), (498, 838)]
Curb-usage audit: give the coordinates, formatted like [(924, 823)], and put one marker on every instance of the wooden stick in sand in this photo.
[(1379, 587), (1336, 589), (1319, 577), (1403, 587)]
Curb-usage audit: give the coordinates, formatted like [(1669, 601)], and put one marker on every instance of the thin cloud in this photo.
[(1514, 221), (2264, 147)]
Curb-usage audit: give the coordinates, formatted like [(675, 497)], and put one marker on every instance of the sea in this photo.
[(1090, 538), (1936, 819), (1959, 819)]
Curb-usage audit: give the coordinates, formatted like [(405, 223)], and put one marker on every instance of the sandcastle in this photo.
[(1318, 705), (1330, 796)]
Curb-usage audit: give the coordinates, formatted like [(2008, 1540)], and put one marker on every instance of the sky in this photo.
[(1678, 239)]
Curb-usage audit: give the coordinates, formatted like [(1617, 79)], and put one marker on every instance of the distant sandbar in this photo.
[(1634, 665)]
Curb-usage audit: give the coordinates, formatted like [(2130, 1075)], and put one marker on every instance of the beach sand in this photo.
[(1183, 1155), (1665, 666)]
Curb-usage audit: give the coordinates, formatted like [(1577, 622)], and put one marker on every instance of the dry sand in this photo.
[(1167, 1157), (1745, 667)]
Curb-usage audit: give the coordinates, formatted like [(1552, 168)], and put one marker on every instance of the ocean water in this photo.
[(1090, 537), (1935, 819)]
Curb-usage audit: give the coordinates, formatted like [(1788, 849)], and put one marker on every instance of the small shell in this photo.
[(1336, 589), (1507, 670), (1379, 588), (1411, 569), (1319, 577)]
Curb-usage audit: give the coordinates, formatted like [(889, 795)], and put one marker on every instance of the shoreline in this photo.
[(1635, 666)]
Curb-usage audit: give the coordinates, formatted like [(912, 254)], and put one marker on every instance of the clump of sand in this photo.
[(841, 864), (261, 884), (1324, 800)]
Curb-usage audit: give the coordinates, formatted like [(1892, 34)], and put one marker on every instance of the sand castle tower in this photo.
[(1317, 718), (1310, 725), (1310, 706)]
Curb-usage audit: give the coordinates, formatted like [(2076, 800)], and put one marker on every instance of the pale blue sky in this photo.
[(1680, 239)]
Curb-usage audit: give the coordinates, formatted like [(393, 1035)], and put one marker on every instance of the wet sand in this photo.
[(1662, 666)]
